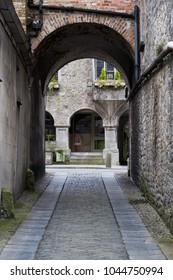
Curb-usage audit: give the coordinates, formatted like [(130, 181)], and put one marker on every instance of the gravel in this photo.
[(149, 215)]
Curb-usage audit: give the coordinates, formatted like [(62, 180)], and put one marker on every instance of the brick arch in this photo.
[(55, 20), (84, 40)]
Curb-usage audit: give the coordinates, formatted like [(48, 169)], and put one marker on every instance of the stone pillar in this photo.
[(111, 148), (62, 139)]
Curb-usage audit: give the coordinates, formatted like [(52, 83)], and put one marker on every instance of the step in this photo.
[(90, 158)]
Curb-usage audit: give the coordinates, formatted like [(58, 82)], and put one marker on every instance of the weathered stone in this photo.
[(14, 105), (74, 95), (30, 180), (7, 203), (152, 114)]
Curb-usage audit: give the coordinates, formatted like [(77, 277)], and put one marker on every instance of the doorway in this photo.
[(86, 132)]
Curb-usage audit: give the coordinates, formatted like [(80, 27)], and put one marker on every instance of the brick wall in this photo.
[(20, 7), (53, 19), (110, 5)]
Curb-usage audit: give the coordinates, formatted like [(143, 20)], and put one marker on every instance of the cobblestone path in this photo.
[(82, 214), (83, 225)]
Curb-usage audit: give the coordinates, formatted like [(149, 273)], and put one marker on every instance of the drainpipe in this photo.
[(38, 24), (167, 50), (31, 5), (137, 51)]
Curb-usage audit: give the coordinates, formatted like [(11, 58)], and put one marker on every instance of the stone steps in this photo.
[(86, 158)]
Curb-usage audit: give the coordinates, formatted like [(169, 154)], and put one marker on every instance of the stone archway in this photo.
[(84, 40), (68, 43)]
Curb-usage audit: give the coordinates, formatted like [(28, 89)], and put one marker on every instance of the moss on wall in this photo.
[(7, 203), (30, 180), (145, 190)]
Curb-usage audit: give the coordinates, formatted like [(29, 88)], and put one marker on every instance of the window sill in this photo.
[(109, 83)]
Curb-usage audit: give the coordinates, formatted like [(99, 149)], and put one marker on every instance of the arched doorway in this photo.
[(86, 132), (66, 44), (50, 133), (123, 138)]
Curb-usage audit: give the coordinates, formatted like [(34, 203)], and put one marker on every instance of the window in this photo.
[(99, 65), (50, 134)]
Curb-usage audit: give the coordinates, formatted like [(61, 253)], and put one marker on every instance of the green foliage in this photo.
[(109, 83), (60, 155), (30, 180), (21, 208), (7, 203), (117, 75), (59, 151), (102, 74), (159, 48), (53, 83), (117, 83)]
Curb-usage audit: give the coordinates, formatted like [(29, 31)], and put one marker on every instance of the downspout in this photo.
[(137, 48), (166, 51), (31, 5)]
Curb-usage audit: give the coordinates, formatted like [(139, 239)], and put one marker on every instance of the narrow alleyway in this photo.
[(92, 219), (83, 225)]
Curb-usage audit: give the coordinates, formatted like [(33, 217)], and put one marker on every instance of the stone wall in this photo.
[(37, 128), (77, 91), (152, 114), (14, 114)]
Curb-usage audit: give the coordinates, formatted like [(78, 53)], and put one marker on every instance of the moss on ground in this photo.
[(21, 208), (7, 203)]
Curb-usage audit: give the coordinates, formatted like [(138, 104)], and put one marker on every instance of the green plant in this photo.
[(102, 74), (22, 207), (60, 155), (117, 83), (52, 83), (50, 146), (117, 75), (109, 83), (59, 151)]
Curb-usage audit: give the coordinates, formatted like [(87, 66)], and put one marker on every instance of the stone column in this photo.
[(111, 149), (62, 139)]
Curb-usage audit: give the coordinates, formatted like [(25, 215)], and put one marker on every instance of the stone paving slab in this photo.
[(83, 225), (131, 225), (24, 243), (92, 219)]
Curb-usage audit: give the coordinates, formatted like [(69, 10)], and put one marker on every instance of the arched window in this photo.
[(50, 132)]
